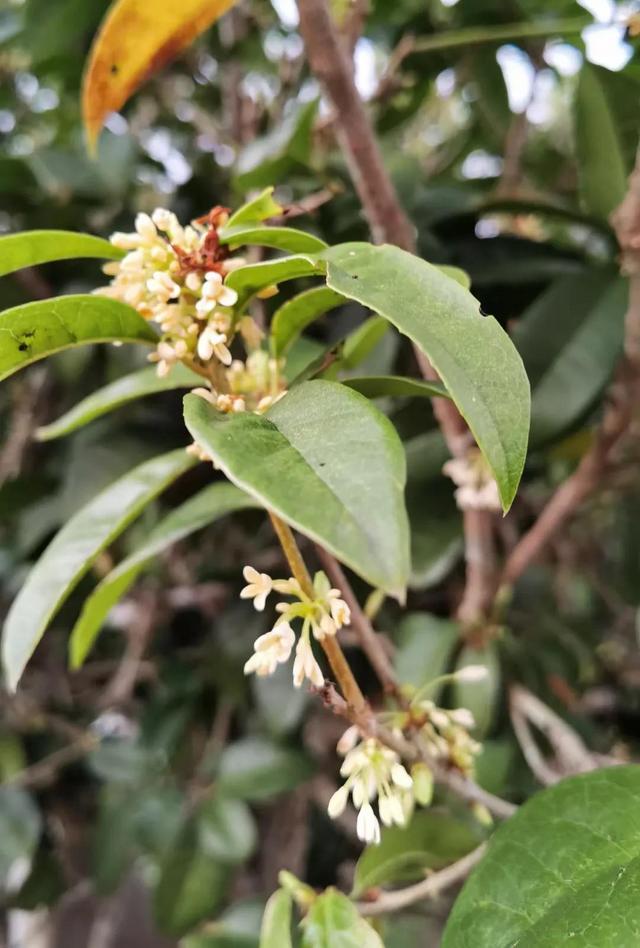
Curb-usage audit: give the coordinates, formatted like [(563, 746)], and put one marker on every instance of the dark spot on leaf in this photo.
[(114, 69), (354, 276), (23, 347), (322, 463), (28, 334)]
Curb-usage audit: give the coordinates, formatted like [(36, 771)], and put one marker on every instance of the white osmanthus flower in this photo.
[(372, 771), (476, 486), (271, 649), (305, 664), (259, 586)]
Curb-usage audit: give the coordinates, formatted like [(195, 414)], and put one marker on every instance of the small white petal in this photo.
[(338, 801)]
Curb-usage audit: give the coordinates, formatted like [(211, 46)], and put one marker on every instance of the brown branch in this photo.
[(368, 638), (623, 397), (431, 887), (388, 222)]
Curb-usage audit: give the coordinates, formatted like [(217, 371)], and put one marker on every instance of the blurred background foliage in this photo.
[(156, 793)]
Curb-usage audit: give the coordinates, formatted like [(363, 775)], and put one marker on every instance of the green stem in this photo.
[(476, 35)]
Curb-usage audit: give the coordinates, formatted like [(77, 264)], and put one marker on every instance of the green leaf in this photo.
[(118, 393), (425, 645), (227, 830), (32, 247), (472, 354), (256, 769), (432, 840), (480, 697), (565, 870), (36, 330), (207, 505), (191, 885), (601, 167), (360, 343), (333, 922), (20, 827), (293, 317), (249, 280), (280, 238), (72, 551), (570, 339), (378, 386), (276, 921), (324, 459), (260, 208)]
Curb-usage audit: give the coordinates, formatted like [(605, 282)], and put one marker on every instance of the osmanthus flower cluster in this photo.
[(321, 615), (174, 276)]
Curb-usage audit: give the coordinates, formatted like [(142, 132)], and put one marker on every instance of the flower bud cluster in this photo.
[(321, 615), (476, 486), (171, 278)]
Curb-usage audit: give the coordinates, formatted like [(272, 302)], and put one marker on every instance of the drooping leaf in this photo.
[(601, 166), (191, 885), (326, 461), (480, 697), (226, 829), (570, 339), (565, 870), (472, 354), (379, 386), (20, 827), (293, 317), (333, 922), (32, 247), (425, 645), (118, 393), (258, 209), (256, 769), (72, 551), (37, 330), (360, 343), (208, 505), (276, 921), (247, 281), (134, 41), (432, 840), (280, 238)]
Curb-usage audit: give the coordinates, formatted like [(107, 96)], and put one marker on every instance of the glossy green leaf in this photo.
[(36, 330), (191, 885), (256, 769), (32, 247), (276, 921), (226, 829), (480, 697), (425, 645), (565, 870), (206, 506), (118, 393), (472, 354), (432, 840), (333, 922), (360, 343), (293, 317), (601, 167), (249, 280), (258, 209), (570, 340), (20, 827), (379, 386), (280, 238), (326, 461), (72, 551)]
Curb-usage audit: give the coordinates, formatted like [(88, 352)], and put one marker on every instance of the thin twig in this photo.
[(368, 638), (431, 887), (45, 771), (622, 400)]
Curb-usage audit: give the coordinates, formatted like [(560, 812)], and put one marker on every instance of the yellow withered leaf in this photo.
[(136, 39)]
